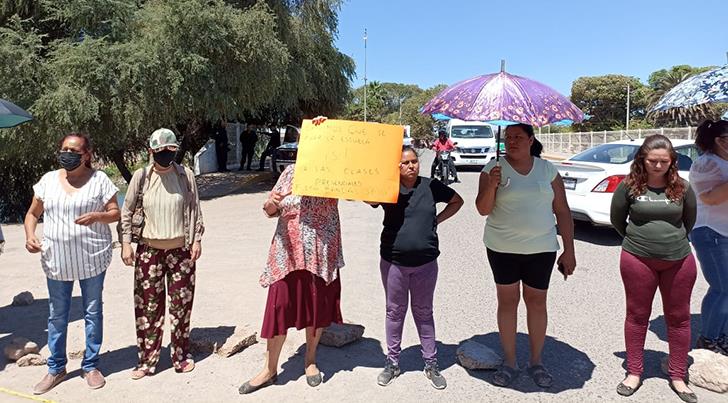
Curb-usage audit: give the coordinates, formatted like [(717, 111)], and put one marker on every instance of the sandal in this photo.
[(185, 366), (505, 375), (540, 376), (138, 373)]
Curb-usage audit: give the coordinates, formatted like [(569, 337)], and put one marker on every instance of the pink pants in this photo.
[(675, 278)]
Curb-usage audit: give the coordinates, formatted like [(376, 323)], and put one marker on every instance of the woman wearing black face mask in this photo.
[(77, 202), (161, 214)]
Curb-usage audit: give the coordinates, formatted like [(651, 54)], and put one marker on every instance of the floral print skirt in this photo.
[(153, 268), (301, 299)]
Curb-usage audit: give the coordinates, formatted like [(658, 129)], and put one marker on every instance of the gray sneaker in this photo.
[(433, 374), (390, 371)]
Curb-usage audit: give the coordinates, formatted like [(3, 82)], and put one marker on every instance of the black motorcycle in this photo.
[(444, 168)]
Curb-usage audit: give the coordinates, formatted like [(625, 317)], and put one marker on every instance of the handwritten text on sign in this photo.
[(349, 160)]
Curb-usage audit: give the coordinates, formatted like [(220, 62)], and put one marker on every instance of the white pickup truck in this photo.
[(475, 142)]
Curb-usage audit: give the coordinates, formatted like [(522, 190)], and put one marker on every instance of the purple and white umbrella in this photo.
[(504, 99)]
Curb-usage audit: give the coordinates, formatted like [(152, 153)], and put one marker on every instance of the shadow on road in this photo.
[(570, 367), (30, 322), (216, 185), (652, 362), (604, 236), (410, 359), (659, 327), (366, 352)]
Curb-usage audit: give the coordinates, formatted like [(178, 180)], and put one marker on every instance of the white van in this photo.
[(475, 142)]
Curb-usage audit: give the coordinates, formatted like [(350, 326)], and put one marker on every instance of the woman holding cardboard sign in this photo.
[(302, 275), (409, 251)]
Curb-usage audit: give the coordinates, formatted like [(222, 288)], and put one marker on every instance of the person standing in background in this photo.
[(248, 138)]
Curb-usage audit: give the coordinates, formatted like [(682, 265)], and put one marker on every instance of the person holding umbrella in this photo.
[(709, 179), (520, 195)]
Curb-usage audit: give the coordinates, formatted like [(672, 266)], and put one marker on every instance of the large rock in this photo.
[(338, 335), (709, 370), (473, 355), (31, 360), (23, 299), (19, 347), (243, 338), (219, 341)]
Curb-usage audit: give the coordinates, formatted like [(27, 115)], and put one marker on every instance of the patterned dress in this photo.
[(308, 236)]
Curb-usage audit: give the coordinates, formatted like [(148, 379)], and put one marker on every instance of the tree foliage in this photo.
[(604, 98), (120, 69)]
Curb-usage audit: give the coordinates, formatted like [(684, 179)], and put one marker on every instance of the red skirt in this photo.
[(301, 299)]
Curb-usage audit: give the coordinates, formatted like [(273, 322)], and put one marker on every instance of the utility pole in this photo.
[(365, 74), (627, 124)]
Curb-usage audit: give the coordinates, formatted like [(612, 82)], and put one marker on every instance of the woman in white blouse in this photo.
[(77, 203), (709, 179)]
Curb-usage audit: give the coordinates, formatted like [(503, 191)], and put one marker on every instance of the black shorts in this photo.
[(534, 270)]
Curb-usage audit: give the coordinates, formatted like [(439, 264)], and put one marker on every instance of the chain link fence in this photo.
[(572, 143)]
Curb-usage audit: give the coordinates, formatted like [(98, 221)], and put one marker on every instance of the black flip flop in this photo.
[(505, 376)]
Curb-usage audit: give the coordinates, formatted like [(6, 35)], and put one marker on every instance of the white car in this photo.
[(592, 176)]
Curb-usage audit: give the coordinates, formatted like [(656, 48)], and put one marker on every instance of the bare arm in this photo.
[(716, 195), (110, 214), (31, 223), (487, 188), (452, 207), (565, 223)]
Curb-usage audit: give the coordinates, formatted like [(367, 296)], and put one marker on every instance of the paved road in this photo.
[(584, 349)]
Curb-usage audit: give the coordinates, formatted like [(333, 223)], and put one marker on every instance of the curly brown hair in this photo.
[(636, 182)]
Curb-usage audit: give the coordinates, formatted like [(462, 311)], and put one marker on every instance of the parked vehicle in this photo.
[(407, 139), (592, 176), (476, 142), (287, 152)]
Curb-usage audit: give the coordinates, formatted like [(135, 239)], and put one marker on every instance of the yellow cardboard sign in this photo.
[(349, 160)]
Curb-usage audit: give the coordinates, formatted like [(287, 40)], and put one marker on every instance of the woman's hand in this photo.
[(568, 260), (494, 177), (127, 254), (273, 204), (32, 245), (318, 120), (196, 251), (87, 219)]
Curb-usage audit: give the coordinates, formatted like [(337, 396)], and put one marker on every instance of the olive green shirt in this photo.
[(653, 225)]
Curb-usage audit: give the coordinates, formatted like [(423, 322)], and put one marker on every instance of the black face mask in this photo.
[(164, 158), (69, 160)]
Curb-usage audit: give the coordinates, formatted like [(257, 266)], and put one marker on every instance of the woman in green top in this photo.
[(654, 210)]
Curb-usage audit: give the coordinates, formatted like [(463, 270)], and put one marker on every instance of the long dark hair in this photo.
[(536, 147), (637, 179), (707, 132), (87, 147)]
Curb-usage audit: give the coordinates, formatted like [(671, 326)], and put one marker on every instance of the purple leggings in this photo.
[(399, 283), (642, 276)]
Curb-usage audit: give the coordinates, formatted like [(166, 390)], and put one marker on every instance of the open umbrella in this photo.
[(12, 115), (708, 87), (503, 99)]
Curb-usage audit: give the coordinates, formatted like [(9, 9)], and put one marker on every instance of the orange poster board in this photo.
[(349, 160)]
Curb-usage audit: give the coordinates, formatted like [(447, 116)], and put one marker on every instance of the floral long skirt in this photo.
[(152, 268)]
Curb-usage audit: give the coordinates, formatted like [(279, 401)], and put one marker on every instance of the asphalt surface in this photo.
[(584, 349)]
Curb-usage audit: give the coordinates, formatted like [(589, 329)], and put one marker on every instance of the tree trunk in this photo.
[(118, 158)]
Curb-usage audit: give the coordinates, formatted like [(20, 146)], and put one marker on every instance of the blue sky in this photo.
[(429, 42)]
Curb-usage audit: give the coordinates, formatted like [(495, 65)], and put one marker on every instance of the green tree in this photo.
[(604, 98), (120, 69), (421, 125)]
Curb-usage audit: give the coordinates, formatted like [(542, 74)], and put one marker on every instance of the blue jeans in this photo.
[(59, 302), (712, 250)]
